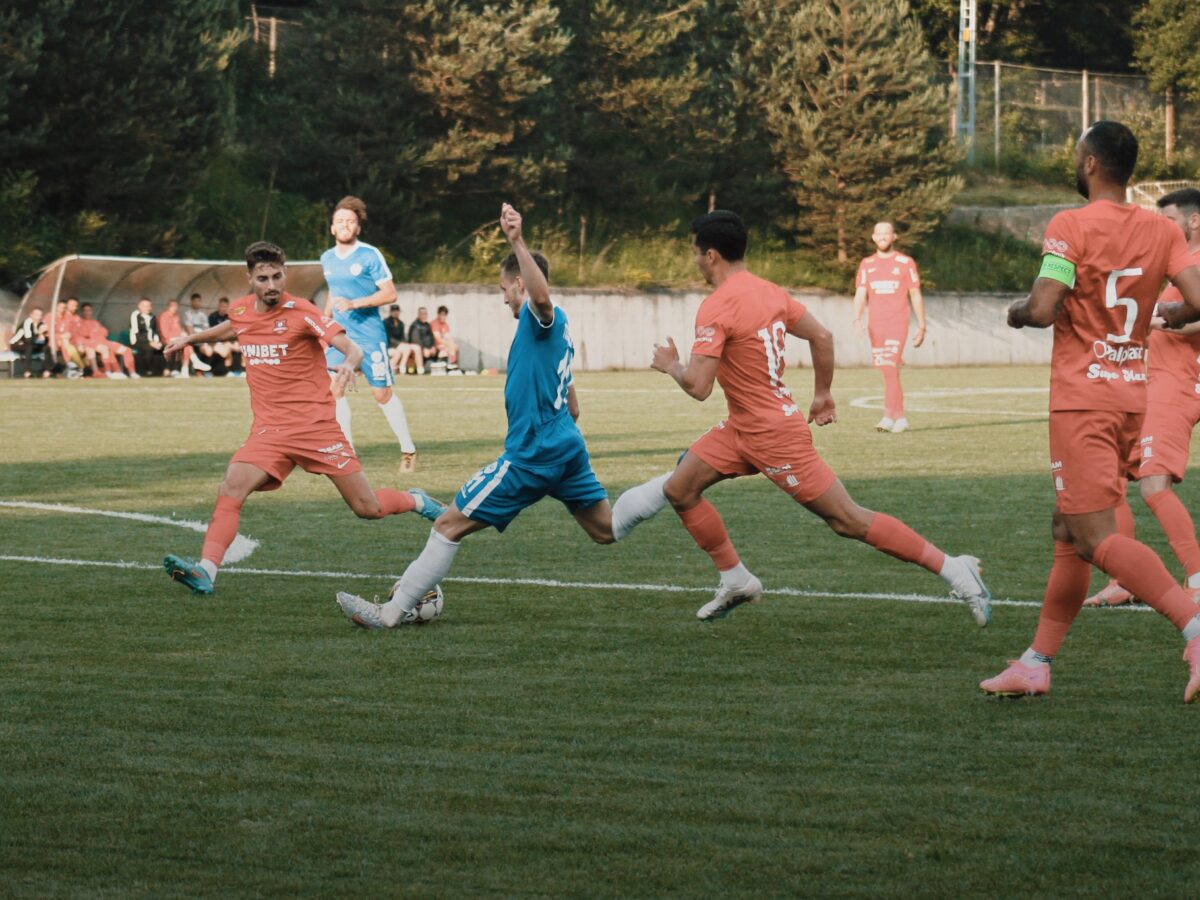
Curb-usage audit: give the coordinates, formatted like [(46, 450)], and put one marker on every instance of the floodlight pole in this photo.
[(964, 111)]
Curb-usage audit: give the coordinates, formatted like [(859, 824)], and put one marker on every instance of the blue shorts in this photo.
[(500, 490), (376, 367)]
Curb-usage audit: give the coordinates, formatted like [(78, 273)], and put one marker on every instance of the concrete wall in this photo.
[(615, 330)]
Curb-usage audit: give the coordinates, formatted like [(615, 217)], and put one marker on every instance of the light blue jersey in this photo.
[(541, 432), (356, 276), (544, 452)]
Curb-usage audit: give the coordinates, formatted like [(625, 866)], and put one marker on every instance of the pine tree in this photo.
[(1166, 34), (847, 93)]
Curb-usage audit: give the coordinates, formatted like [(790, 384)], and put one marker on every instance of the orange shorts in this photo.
[(887, 345), (321, 452), (790, 460), (1166, 437), (1092, 454)]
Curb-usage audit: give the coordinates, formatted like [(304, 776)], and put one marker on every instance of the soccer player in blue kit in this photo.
[(544, 452), (359, 283)]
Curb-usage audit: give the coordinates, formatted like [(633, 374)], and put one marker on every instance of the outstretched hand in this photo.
[(510, 222), (176, 344), (665, 356)]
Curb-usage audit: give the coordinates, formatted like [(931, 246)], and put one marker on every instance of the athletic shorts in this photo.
[(792, 464), (887, 345), (376, 367), (1166, 438), (1092, 454), (500, 490), (324, 451)]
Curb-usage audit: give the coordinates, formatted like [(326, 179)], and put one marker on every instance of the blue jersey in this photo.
[(541, 432), (354, 277)]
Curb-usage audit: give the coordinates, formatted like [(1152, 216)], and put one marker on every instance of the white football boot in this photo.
[(728, 599)]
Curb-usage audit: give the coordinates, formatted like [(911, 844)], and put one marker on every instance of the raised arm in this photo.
[(696, 378), (536, 286)]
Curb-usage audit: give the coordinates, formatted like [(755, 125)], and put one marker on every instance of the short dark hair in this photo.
[(1187, 199), (263, 252), (355, 206), (443, 309), (395, 307), (222, 300), (194, 296), (1115, 148), (723, 231), (82, 305), (511, 266)]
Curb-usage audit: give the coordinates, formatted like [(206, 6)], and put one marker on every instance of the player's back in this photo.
[(541, 431), (1121, 255), (745, 322)]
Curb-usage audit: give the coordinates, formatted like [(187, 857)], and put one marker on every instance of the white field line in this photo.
[(240, 549), (541, 582), (876, 401)]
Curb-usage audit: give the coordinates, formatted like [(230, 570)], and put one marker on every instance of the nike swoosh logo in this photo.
[(343, 465)]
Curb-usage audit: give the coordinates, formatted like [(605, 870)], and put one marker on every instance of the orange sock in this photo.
[(393, 502), (1066, 589), (1124, 514), (891, 536), (222, 529), (893, 395), (1140, 571), (704, 524), (1173, 516)]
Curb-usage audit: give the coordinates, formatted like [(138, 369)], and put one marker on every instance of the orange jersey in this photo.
[(89, 333), (285, 363), (887, 281), (65, 324), (1121, 256), (1174, 363), (169, 326), (744, 323)]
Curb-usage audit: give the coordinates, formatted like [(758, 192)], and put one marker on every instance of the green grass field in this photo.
[(582, 738)]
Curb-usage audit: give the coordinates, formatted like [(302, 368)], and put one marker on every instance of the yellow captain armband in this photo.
[(1058, 269)]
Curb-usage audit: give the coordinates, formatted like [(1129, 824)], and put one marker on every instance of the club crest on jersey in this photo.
[(705, 334), (280, 326), (1055, 246), (291, 304), (239, 310), (356, 270)]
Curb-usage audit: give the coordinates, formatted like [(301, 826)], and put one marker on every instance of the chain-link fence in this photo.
[(1023, 113)]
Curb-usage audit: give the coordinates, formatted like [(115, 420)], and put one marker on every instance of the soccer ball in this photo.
[(428, 608)]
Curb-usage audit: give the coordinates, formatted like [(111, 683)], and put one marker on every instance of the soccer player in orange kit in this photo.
[(740, 332), (885, 284), (281, 341), (1172, 412), (1102, 266)]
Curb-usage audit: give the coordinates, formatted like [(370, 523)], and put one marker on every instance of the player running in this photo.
[(1172, 411), (544, 451), (359, 283), (886, 282), (294, 425), (740, 332), (1102, 266)]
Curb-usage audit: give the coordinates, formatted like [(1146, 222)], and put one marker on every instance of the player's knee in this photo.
[(848, 526), (367, 509), (1155, 484), (679, 494)]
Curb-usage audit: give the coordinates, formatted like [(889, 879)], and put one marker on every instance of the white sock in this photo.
[(735, 577), (1194, 580), (1031, 658), (209, 567), (638, 504), (393, 411), (1192, 628), (420, 577), (341, 412)]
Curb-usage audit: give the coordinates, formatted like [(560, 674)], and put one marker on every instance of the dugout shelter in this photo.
[(114, 284)]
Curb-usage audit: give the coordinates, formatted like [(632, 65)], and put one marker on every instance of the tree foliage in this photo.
[(1166, 35), (846, 91)]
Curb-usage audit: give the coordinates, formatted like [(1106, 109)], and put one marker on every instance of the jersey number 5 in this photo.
[(1112, 301)]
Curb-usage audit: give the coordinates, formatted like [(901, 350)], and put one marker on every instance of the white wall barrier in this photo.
[(617, 330)]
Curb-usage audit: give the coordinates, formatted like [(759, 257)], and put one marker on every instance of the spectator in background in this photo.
[(224, 351), (99, 352), (32, 341), (421, 334), (66, 316), (145, 340), (195, 320), (447, 347), (400, 352), (170, 327)]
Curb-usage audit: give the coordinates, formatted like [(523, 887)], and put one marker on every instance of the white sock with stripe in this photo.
[(393, 411), (420, 577), (341, 412), (638, 504)]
